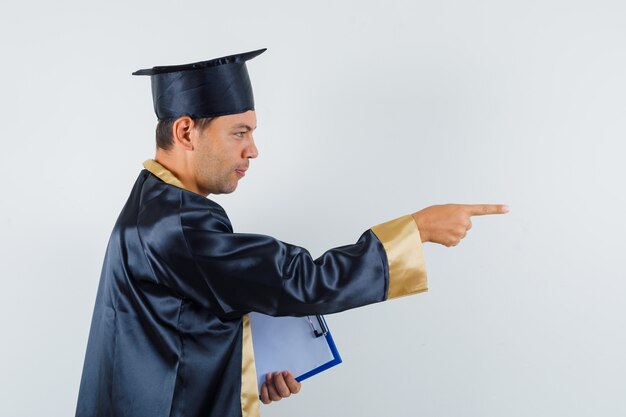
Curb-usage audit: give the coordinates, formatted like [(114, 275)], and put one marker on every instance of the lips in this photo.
[(241, 172)]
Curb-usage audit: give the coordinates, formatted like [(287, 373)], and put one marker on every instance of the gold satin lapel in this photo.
[(250, 405), (405, 256), (162, 173)]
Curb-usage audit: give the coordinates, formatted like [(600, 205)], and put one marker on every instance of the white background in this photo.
[(367, 111)]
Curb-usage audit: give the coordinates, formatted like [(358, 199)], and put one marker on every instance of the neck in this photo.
[(180, 167)]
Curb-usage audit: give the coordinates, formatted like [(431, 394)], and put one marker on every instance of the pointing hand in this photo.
[(448, 224)]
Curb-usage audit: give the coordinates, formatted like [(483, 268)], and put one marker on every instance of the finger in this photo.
[(452, 240), (265, 396), (293, 385), (281, 386), (486, 209), (271, 389)]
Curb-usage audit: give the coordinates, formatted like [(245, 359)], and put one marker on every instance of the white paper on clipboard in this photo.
[(289, 344)]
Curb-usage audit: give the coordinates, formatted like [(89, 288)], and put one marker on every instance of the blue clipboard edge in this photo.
[(335, 361)]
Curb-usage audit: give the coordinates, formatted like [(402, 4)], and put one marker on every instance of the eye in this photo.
[(240, 134)]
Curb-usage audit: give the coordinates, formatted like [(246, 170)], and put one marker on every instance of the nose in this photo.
[(251, 150)]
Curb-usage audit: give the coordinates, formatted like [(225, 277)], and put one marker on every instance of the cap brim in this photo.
[(230, 59)]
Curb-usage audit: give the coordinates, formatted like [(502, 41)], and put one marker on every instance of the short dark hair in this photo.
[(164, 139)]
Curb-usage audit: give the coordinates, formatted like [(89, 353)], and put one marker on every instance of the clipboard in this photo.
[(300, 345)]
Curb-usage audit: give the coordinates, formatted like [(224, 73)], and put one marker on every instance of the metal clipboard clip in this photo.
[(321, 324)]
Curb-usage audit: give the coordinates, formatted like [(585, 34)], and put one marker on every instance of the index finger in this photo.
[(486, 209)]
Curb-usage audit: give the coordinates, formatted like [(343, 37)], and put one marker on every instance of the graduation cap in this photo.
[(211, 88)]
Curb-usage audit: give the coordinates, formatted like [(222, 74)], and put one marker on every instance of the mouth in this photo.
[(241, 172)]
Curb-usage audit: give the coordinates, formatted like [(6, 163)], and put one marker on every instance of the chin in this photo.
[(220, 188), (228, 189)]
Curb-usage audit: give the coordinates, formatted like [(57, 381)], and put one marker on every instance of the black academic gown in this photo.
[(170, 334)]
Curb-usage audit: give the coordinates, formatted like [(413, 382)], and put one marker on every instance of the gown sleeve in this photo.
[(236, 273)]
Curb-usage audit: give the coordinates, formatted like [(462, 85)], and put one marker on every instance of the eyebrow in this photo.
[(245, 126)]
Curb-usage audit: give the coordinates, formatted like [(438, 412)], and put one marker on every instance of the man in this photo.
[(170, 335)]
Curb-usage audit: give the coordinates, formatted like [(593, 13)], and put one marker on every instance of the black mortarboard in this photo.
[(203, 89)]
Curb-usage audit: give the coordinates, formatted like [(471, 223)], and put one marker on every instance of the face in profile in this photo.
[(222, 151)]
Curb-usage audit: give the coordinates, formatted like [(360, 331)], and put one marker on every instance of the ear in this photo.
[(181, 132)]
